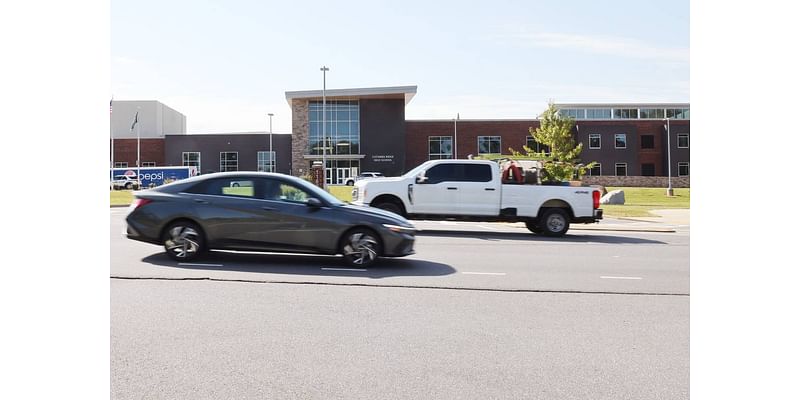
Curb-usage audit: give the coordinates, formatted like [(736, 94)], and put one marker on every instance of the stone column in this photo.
[(299, 137)]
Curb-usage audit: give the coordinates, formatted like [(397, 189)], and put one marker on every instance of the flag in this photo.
[(135, 120)]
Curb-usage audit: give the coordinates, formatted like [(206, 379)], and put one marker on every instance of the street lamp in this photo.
[(271, 157), (324, 69), (669, 163), (455, 136)]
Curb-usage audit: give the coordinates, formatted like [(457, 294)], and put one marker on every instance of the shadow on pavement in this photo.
[(270, 263), (529, 237)]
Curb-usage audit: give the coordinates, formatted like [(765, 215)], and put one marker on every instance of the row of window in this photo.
[(625, 113), (441, 147), (621, 169), (647, 141), (229, 160), (122, 164)]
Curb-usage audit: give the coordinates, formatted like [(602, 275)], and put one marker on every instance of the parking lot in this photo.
[(481, 310)]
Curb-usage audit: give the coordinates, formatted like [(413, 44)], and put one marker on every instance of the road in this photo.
[(481, 311)]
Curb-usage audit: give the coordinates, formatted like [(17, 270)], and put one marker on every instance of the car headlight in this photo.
[(400, 229)]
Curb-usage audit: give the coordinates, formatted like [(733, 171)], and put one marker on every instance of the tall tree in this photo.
[(555, 132)]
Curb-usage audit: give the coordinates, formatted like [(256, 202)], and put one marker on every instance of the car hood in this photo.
[(385, 216)]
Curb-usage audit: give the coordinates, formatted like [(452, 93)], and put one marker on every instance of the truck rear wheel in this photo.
[(554, 222)]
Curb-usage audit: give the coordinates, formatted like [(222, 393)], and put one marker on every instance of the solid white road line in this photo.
[(344, 269), (620, 277), (484, 273), (201, 265)]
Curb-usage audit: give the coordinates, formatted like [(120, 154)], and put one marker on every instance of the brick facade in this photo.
[(151, 150)]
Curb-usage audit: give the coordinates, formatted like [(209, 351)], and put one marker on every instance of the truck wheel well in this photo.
[(388, 198), (555, 203)]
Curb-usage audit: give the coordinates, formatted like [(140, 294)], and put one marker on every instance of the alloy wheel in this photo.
[(183, 242), (361, 248)]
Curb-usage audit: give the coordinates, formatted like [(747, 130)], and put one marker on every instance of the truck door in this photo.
[(436, 190), (478, 192)]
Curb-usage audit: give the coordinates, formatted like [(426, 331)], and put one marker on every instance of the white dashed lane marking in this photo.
[(621, 277), (484, 273), (344, 269)]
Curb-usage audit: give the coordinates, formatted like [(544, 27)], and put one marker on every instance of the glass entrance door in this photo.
[(341, 175)]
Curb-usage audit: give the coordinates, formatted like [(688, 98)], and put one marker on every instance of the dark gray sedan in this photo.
[(256, 211)]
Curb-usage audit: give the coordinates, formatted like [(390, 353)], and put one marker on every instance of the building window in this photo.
[(594, 140), (342, 129), (266, 161), (598, 113), (620, 141), (535, 146), (651, 113), (228, 161), (148, 164), (626, 113), (648, 142), (648, 170), (191, 159), (488, 144), (574, 113), (118, 164), (683, 140), (440, 147), (621, 169), (683, 169), (678, 113), (597, 170)]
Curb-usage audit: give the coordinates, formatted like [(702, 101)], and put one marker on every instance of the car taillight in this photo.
[(596, 199), (139, 203)]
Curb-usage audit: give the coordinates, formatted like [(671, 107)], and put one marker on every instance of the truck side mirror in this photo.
[(421, 178)]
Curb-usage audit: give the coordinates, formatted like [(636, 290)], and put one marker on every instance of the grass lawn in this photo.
[(121, 197), (638, 201)]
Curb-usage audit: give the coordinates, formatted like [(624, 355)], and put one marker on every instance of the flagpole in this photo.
[(138, 153), (111, 131)]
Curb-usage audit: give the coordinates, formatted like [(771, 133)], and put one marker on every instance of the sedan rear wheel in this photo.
[(361, 247), (183, 241)]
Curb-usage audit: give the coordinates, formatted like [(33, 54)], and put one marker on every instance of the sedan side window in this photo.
[(225, 187), (282, 191)]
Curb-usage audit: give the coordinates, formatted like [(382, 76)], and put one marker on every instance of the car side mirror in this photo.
[(421, 178), (313, 202)]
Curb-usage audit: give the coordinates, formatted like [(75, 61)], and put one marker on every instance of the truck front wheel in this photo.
[(390, 206), (533, 227), (554, 222)]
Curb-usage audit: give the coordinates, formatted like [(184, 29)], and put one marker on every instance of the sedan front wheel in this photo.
[(360, 247)]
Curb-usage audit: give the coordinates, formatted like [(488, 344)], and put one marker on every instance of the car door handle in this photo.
[(452, 188), (489, 189), (200, 201), (268, 208)]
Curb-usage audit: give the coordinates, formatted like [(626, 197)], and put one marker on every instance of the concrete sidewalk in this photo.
[(667, 220)]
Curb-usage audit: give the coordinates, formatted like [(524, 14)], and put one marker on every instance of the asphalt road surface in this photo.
[(481, 311)]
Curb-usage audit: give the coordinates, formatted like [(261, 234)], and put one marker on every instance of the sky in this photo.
[(226, 64)]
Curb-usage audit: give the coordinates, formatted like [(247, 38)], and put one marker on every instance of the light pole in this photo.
[(669, 163), (324, 69), (455, 136), (271, 159)]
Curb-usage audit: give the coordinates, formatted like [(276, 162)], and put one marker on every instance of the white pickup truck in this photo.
[(471, 190)]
